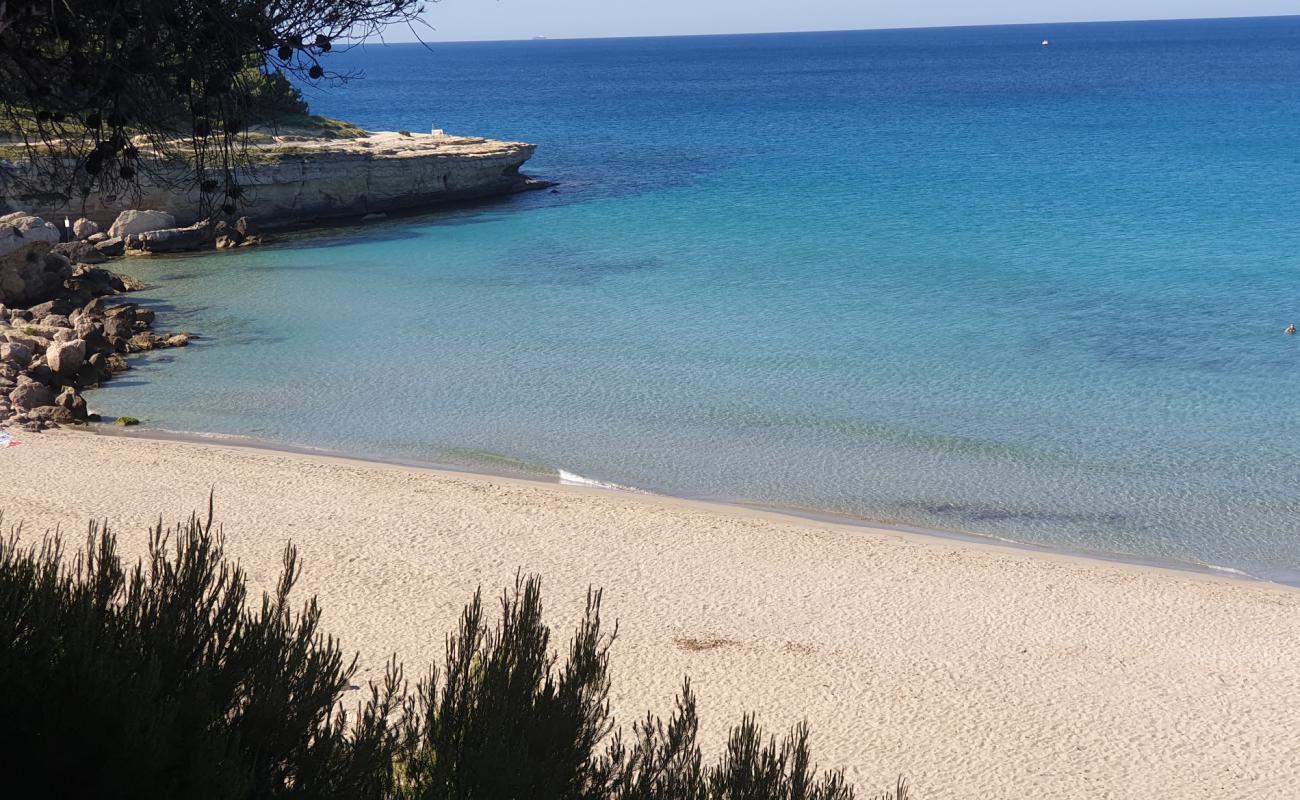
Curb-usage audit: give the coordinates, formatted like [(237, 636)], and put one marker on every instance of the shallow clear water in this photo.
[(946, 278)]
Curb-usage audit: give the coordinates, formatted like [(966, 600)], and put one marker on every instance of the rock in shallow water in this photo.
[(169, 240), (73, 402)]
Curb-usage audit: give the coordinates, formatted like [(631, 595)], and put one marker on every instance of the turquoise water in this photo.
[(945, 278)]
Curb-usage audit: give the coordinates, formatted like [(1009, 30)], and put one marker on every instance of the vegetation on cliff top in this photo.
[(164, 680), (107, 85)]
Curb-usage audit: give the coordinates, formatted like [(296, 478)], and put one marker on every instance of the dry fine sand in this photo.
[(976, 671)]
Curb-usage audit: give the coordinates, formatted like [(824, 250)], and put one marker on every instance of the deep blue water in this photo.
[(947, 278)]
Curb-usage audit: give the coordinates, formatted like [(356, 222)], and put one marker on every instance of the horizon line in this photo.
[(843, 30)]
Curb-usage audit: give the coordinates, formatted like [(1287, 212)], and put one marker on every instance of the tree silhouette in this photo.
[(99, 92)]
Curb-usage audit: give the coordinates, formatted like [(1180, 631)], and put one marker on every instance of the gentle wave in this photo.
[(573, 479)]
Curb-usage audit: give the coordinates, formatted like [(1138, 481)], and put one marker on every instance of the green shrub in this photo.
[(162, 680), (157, 681), (271, 95)]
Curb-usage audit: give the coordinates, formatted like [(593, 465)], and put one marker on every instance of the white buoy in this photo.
[(1046, 43)]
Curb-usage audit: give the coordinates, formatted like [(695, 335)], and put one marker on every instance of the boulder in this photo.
[(178, 340), (80, 252), (88, 329), (18, 337), (28, 274), (64, 358), (56, 306), (16, 352), (96, 238), (117, 363), (119, 326), (29, 394), (142, 342), (111, 247), (99, 368), (30, 228), (134, 222), (84, 229), (88, 282), (73, 402), (51, 415), (55, 321), (230, 235), (170, 240)]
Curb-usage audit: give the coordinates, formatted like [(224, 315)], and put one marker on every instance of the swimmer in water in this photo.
[(1290, 329)]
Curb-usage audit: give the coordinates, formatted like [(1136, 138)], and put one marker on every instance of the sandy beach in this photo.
[(975, 670)]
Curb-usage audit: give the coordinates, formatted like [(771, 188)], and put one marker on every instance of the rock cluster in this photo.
[(157, 232), (51, 352), (58, 336), (237, 234)]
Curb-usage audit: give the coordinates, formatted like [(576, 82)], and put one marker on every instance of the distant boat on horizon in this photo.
[(538, 38)]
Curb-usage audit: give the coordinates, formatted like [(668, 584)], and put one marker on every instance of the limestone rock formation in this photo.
[(298, 179), (170, 240), (131, 222)]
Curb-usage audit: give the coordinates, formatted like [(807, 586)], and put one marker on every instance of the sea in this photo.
[(1023, 282)]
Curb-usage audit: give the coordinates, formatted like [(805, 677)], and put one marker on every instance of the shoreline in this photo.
[(796, 515), (906, 654)]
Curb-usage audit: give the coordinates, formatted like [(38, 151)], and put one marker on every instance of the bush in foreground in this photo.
[(162, 679)]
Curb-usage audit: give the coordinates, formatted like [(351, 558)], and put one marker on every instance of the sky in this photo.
[(471, 20)]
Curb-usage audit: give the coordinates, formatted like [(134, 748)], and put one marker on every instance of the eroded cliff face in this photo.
[(300, 180)]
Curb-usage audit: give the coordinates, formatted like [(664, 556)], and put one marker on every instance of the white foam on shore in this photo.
[(573, 479), (1231, 571)]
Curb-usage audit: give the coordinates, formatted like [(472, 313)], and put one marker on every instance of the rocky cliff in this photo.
[(295, 180)]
